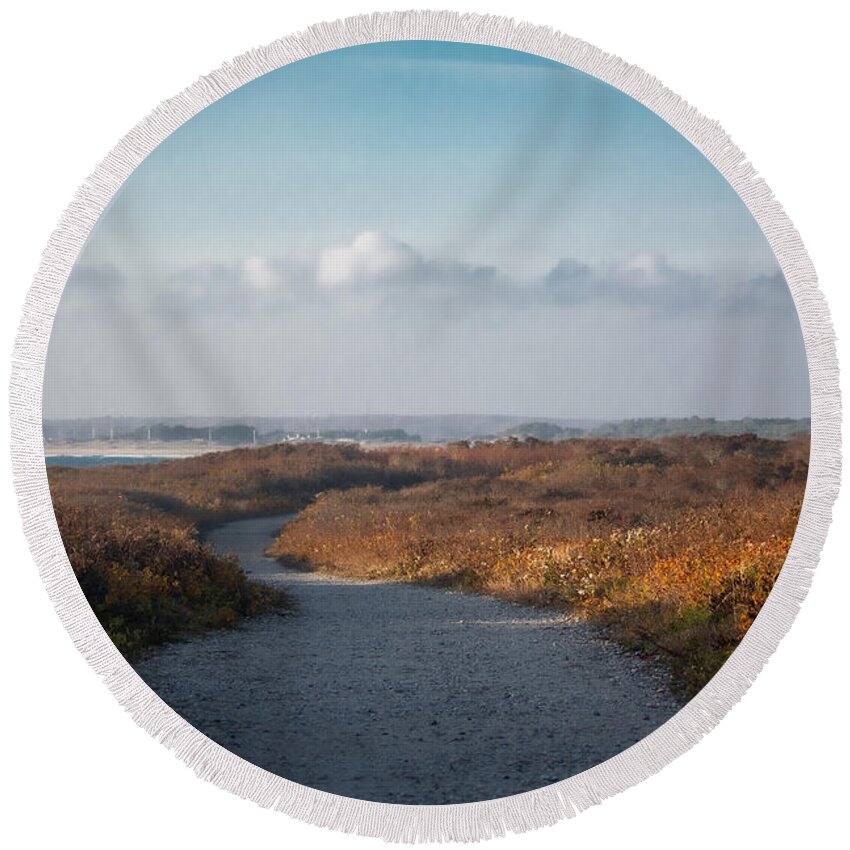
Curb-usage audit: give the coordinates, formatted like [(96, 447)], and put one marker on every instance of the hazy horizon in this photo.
[(531, 417), (433, 229)]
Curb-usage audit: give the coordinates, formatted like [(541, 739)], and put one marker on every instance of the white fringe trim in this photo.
[(470, 821)]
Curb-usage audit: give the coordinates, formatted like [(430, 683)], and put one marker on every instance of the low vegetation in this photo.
[(133, 534), (219, 486), (149, 579), (671, 544)]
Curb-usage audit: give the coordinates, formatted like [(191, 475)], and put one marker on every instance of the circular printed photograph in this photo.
[(426, 422)]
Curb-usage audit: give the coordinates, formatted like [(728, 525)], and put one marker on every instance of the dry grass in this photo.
[(219, 486), (673, 544)]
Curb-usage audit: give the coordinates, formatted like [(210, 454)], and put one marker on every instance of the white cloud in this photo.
[(376, 272), (374, 325), (372, 255), (259, 273), (646, 268)]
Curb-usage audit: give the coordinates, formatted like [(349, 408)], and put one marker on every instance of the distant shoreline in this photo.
[(181, 450), (191, 437), (175, 451), (627, 430)]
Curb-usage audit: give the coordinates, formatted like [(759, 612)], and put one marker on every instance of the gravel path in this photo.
[(406, 694)]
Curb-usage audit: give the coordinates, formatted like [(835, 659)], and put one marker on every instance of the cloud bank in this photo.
[(374, 326)]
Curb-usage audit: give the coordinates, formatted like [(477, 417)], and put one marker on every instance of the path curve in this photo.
[(405, 694)]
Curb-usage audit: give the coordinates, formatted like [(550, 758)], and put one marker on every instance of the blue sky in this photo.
[(344, 234)]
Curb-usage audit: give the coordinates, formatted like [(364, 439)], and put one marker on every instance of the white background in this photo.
[(76, 78)]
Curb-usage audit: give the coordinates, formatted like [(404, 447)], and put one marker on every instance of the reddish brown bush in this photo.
[(149, 579)]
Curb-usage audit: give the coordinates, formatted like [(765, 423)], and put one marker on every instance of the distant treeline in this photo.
[(693, 426), (378, 435), (329, 430), (239, 434), (696, 426), (229, 435), (543, 431)]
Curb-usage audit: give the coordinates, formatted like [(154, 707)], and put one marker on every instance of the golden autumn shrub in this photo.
[(148, 578), (671, 544)]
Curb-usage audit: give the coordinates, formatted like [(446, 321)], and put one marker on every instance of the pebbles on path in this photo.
[(405, 694)]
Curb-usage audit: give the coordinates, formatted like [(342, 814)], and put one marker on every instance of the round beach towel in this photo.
[(425, 425)]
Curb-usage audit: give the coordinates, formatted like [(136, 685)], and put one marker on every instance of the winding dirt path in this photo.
[(405, 694)]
